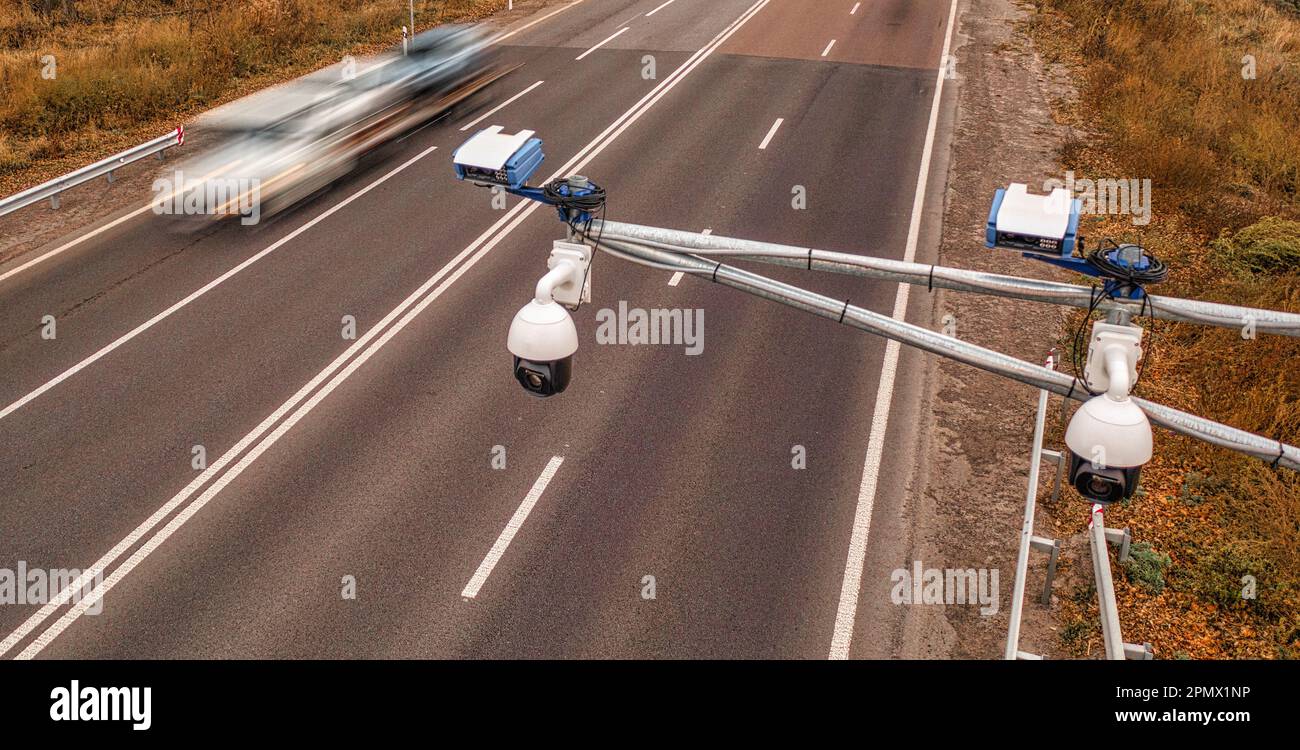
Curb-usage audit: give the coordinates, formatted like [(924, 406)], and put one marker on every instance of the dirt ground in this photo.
[(980, 427)]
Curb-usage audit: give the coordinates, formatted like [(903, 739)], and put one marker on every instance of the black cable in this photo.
[(557, 193), (1155, 272), (1077, 359)]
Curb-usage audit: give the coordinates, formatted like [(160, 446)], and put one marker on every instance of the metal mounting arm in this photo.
[(1273, 451)]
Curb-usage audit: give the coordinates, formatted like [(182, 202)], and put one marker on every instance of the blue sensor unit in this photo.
[(497, 158), (1041, 224)]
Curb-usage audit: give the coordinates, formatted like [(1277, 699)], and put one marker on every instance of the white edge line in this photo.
[(847, 612), (579, 161), (768, 138), (513, 526), (827, 51), (77, 241), (855, 9), (124, 338), (603, 42), (499, 107)]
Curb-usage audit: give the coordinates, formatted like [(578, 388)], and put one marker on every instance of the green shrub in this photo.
[(1269, 246), (1146, 567)]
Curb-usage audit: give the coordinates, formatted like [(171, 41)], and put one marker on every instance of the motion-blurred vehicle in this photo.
[(291, 141)]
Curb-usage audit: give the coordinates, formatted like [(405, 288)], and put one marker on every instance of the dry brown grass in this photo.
[(1163, 97), (133, 68)]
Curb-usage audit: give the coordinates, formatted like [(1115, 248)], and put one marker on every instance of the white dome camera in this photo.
[(1109, 441), (543, 340)]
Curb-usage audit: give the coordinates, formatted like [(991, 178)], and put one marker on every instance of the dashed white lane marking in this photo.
[(661, 7), (498, 108), (532, 23), (768, 138), (677, 277), (603, 42), (11, 408), (855, 9), (827, 51), (849, 589), (484, 244), (515, 523)]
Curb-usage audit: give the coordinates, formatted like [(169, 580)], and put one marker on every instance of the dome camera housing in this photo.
[(543, 340), (1109, 441)]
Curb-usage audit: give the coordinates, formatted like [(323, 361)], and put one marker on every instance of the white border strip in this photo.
[(852, 585)]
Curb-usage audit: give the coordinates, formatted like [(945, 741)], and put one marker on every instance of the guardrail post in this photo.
[(1027, 538), (1053, 549)]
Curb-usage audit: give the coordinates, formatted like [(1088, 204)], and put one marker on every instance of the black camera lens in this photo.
[(1103, 489), (543, 379)]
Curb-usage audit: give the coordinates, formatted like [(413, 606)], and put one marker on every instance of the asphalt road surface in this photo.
[(331, 460)]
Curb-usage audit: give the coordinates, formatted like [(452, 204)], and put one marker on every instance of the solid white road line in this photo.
[(603, 42), (768, 138), (855, 9), (515, 523), (74, 242), (11, 408), (509, 221), (677, 277), (849, 589), (499, 107), (827, 51), (661, 7)]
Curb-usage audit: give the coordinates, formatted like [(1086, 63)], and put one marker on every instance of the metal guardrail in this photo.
[(54, 187)]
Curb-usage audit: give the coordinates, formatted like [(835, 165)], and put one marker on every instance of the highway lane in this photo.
[(213, 370), (389, 480)]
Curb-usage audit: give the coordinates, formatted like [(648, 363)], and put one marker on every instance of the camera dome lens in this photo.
[(1099, 486)]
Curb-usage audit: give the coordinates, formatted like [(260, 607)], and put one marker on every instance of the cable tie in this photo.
[(844, 311), (715, 272), (810, 259), (929, 285)]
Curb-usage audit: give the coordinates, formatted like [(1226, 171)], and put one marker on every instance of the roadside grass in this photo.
[(1166, 93), (128, 70)]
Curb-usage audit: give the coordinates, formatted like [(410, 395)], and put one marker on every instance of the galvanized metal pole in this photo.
[(957, 279), (1027, 527), (1107, 610), (1275, 452)]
